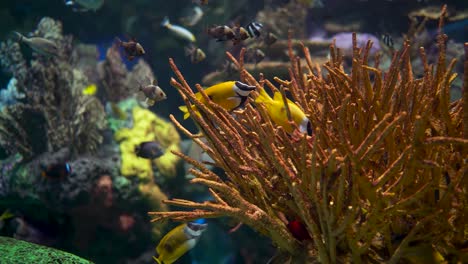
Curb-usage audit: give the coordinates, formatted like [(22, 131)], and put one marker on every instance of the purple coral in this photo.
[(344, 41)]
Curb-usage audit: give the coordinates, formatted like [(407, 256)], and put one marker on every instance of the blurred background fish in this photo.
[(254, 29), (195, 54), (178, 31), (131, 48), (40, 45), (191, 16), (58, 170), (200, 2), (84, 5)]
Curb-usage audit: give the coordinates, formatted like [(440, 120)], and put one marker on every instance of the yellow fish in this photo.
[(90, 89), (277, 112), (230, 95), (423, 254), (178, 241), (5, 215)]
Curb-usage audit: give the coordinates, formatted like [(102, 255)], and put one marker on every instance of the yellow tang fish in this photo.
[(90, 89), (178, 241), (230, 95), (277, 112)]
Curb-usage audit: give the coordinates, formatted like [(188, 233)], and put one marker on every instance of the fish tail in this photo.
[(157, 260), (184, 110), (189, 50), (118, 41), (150, 102), (19, 37), (165, 22)]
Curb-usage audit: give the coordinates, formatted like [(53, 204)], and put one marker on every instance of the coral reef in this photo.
[(383, 178), (281, 19), (148, 127), (92, 206), (277, 61), (53, 107), (117, 81), (17, 251), (10, 95)]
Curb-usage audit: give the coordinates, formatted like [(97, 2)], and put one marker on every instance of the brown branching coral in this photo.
[(383, 176), (54, 113)]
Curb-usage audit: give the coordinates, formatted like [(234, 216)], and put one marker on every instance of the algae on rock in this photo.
[(17, 251)]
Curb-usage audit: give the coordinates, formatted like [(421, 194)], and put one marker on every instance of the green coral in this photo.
[(17, 251), (115, 119)]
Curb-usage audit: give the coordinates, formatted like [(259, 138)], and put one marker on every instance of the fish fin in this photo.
[(263, 96), (165, 22), (150, 102), (184, 110), (157, 260), (155, 82), (278, 97), (188, 51)]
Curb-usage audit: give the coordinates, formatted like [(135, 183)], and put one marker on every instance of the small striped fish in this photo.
[(254, 29)]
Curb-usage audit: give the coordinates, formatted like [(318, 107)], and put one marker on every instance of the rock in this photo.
[(17, 251)]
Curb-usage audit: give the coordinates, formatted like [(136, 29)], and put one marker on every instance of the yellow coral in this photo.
[(154, 195), (147, 127)]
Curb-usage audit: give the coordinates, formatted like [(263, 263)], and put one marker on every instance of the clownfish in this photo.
[(230, 95), (56, 171), (277, 112), (178, 241)]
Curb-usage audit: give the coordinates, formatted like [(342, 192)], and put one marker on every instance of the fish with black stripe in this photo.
[(230, 95), (254, 29), (387, 40)]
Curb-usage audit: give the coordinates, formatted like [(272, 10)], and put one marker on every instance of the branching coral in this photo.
[(383, 176), (54, 113)]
